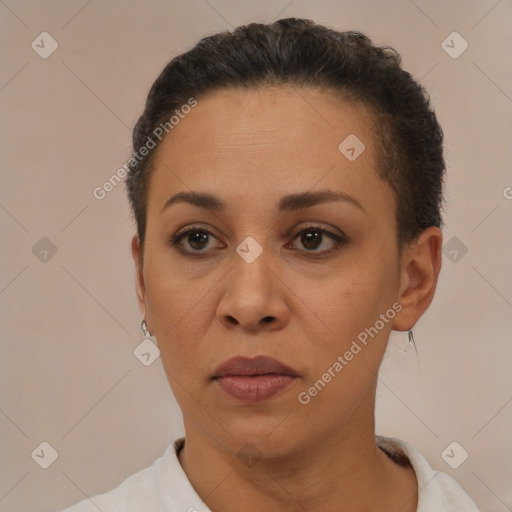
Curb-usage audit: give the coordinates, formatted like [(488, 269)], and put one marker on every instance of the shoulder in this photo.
[(139, 491), (436, 490)]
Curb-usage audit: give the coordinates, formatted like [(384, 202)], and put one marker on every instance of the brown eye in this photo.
[(197, 239), (311, 239), (314, 237), (193, 241)]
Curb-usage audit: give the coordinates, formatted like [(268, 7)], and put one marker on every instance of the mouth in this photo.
[(253, 380)]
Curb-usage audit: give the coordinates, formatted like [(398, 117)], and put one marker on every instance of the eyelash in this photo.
[(339, 240)]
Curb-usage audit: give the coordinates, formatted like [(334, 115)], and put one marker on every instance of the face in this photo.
[(296, 261)]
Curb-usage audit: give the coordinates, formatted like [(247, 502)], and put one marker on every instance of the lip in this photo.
[(259, 365), (253, 380)]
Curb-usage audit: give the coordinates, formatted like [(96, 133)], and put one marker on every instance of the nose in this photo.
[(254, 297)]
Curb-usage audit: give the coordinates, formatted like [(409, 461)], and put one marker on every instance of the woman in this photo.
[(286, 183)]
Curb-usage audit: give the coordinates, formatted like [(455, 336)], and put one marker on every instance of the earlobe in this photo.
[(139, 278), (420, 267)]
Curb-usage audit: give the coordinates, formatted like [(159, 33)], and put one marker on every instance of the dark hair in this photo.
[(300, 52)]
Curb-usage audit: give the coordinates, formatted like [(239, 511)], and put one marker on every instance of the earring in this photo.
[(145, 330), (411, 340)]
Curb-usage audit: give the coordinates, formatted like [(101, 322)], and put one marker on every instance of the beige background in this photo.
[(68, 375)]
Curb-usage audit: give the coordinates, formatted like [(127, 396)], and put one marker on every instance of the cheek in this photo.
[(350, 305), (354, 296), (180, 312), (343, 366)]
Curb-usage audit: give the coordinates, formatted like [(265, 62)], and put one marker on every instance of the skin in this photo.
[(251, 148)]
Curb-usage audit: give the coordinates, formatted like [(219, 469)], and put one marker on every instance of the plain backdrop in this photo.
[(70, 323)]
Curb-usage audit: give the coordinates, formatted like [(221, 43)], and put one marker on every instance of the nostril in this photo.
[(234, 321)]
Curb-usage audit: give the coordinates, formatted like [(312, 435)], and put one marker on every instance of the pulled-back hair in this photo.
[(300, 52)]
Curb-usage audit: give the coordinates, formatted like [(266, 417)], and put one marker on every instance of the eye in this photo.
[(313, 237), (197, 239)]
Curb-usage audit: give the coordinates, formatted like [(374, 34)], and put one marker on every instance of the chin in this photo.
[(273, 435)]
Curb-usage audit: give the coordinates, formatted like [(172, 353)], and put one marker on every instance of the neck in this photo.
[(345, 472)]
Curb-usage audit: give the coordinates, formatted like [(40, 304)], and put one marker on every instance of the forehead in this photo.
[(260, 144)]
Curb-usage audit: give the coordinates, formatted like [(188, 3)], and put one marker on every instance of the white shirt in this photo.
[(164, 486)]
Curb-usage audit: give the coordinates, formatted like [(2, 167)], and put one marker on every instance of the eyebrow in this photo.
[(288, 203)]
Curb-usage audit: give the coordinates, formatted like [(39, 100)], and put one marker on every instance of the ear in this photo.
[(420, 267), (139, 278)]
